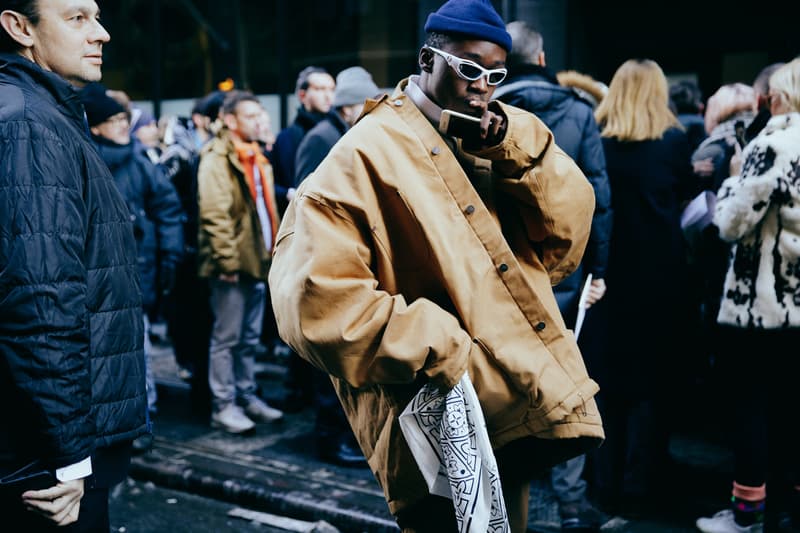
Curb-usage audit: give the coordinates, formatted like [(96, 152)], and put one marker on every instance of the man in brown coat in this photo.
[(411, 256), (238, 223)]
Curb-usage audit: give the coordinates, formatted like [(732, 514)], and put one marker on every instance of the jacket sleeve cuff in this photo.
[(74, 471), (447, 371)]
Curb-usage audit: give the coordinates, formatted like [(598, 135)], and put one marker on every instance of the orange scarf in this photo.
[(249, 155)]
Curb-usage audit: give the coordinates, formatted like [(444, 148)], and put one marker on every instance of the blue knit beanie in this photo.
[(475, 19)]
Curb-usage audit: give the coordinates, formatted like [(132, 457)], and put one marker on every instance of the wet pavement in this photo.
[(275, 470), (141, 506)]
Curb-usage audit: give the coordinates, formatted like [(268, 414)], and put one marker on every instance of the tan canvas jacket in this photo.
[(229, 237), (390, 269)]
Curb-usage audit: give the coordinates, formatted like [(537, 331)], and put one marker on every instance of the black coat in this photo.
[(316, 145), (647, 273), (284, 150), (71, 332), (155, 210), (571, 120)]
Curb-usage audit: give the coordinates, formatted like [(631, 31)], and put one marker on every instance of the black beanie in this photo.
[(471, 18), (98, 105)]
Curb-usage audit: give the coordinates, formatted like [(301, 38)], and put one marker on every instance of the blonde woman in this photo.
[(759, 316), (647, 159)]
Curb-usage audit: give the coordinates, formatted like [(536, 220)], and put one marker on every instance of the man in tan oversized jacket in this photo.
[(411, 256), (237, 229)]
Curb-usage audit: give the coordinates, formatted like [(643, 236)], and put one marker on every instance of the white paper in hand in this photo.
[(698, 213), (582, 305), (447, 435)]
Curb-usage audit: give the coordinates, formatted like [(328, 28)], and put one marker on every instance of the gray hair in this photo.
[(526, 44)]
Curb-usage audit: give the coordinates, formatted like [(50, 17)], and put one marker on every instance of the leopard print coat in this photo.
[(759, 211)]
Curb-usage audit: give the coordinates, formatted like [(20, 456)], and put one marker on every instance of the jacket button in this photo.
[(435, 150), (540, 326), (398, 102), (503, 267), (469, 210)]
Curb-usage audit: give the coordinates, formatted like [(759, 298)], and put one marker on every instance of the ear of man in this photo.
[(426, 60), (18, 27), (229, 119)]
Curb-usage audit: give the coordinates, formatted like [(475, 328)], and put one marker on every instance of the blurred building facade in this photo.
[(176, 49)]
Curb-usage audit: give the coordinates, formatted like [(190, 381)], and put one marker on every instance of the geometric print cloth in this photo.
[(447, 435)]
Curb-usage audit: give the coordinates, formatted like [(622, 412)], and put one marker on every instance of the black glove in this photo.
[(166, 276)]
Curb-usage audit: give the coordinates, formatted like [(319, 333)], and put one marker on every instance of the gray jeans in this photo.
[(150, 382), (238, 313), (566, 480)]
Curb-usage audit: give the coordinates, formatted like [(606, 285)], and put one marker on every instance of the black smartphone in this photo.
[(464, 127), (740, 131), (29, 477)]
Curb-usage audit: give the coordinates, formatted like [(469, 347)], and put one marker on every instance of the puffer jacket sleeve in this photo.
[(592, 161), (44, 330), (215, 197), (330, 310), (163, 207), (554, 197)]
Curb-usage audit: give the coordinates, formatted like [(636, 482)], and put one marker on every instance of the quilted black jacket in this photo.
[(71, 359)]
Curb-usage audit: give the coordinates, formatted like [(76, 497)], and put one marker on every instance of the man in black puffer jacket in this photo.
[(71, 362), (533, 87)]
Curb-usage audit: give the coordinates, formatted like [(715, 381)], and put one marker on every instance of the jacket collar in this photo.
[(308, 119), (532, 72), (338, 122), (48, 84), (115, 155), (428, 107)]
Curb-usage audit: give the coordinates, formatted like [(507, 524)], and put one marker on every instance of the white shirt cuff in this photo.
[(75, 471)]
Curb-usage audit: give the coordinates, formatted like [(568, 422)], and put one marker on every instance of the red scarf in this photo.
[(249, 155)]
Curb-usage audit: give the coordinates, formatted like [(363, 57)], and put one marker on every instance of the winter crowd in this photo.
[(585, 252)]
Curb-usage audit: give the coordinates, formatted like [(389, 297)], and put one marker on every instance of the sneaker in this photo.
[(185, 374), (723, 522), (259, 411), (581, 517), (142, 443), (231, 419)]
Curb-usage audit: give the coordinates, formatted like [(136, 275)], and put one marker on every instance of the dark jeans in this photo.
[(331, 424), (630, 466), (189, 322), (760, 370)]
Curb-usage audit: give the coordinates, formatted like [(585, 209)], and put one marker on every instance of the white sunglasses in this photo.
[(469, 70)]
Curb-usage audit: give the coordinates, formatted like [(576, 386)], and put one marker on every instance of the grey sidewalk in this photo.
[(276, 470)]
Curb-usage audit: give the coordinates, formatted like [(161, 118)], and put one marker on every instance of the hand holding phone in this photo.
[(464, 127), (488, 130)]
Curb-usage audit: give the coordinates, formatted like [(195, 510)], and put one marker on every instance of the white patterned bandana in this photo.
[(447, 435)]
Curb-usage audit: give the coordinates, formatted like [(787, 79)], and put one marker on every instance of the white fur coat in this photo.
[(760, 212)]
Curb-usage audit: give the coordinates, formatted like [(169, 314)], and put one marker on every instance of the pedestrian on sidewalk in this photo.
[(71, 332), (238, 224), (413, 255), (759, 316)]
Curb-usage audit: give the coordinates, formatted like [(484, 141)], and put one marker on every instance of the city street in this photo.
[(194, 475), (143, 506)]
